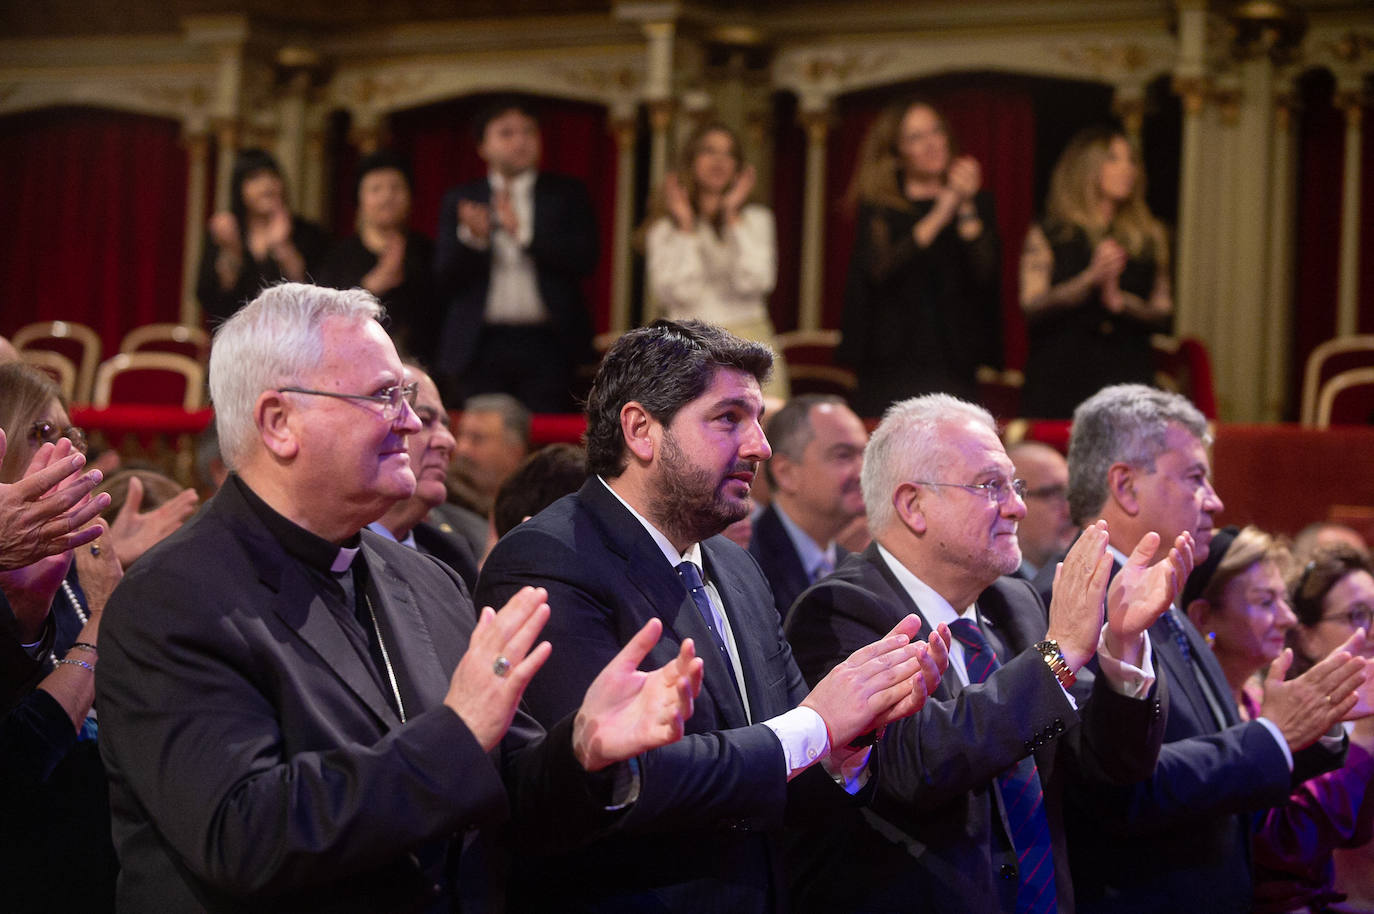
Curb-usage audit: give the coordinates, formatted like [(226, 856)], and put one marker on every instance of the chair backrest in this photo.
[(56, 365), (811, 368), (182, 339), (77, 342), (1355, 387), (1327, 360), (150, 373), (1183, 366)]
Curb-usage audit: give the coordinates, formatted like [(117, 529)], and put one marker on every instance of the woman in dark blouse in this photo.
[(256, 242), (386, 258), (921, 308), (1094, 278)]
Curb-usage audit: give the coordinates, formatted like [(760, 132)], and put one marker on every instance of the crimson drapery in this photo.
[(95, 203), (438, 141)]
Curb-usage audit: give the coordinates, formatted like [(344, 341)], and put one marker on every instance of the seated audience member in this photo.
[(64, 815), (673, 440), (1094, 277), (922, 304), (1322, 534), (512, 250), (712, 254), (968, 812), (813, 475), (257, 241), (493, 437), (133, 531), (541, 479), (299, 717), (1046, 531), (387, 258), (1323, 836), (430, 450), (44, 515), (1138, 460)]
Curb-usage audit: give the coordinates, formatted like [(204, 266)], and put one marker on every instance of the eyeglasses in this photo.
[(1359, 615), (45, 432), (995, 491), (391, 398)]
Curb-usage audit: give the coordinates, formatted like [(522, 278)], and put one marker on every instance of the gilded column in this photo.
[(1279, 278), (623, 128), (817, 124), (658, 93), (1190, 82), (197, 144), (1351, 101)]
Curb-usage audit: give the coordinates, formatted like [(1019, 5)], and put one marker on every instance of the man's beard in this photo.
[(689, 503)]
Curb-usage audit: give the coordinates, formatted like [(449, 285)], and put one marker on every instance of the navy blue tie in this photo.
[(1021, 792), (1180, 637), (691, 578)]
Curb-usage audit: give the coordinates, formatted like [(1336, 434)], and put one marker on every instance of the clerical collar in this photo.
[(311, 549)]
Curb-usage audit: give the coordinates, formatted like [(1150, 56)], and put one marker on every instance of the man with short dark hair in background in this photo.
[(511, 252), (818, 447), (673, 443)]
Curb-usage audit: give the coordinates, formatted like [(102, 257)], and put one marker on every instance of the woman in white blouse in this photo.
[(711, 253)]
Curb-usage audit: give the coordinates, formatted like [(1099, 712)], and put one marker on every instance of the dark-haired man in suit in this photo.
[(511, 253), (673, 443), (818, 451)]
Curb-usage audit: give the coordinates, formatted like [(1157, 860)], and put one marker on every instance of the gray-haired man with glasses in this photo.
[(969, 814)]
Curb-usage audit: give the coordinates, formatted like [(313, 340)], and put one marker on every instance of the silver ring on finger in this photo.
[(501, 667)]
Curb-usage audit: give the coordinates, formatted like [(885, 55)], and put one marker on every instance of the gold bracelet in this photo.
[(1054, 658)]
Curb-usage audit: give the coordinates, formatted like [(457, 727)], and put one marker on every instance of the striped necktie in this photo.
[(1021, 792)]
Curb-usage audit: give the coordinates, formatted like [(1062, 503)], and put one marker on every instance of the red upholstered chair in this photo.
[(1328, 360), (1347, 398), (77, 342), (150, 378), (182, 339), (810, 357), (1183, 366), (56, 366)]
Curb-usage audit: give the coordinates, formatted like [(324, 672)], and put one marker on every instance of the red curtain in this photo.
[(96, 202), (438, 141)]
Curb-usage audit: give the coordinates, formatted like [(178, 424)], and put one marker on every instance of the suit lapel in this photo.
[(746, 626), (663, 593), (423, 680), (876, 570)]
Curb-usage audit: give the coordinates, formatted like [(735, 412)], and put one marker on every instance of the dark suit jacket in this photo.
[(606, 578), (563, 247), (936, 837), (254, 761), (778, 558), (448, 547), (1183, 834)]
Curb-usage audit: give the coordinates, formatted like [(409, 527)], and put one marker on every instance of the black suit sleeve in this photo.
[(457, 266), (564, 239)]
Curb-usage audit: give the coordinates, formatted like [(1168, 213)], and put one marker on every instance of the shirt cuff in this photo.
[(1274, 731), (853, 774), (1125, 679), (804, 740)]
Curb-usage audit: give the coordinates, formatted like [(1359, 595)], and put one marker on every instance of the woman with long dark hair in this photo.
[(921, 305)]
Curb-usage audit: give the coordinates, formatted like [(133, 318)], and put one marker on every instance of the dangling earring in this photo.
[(1212, 641)]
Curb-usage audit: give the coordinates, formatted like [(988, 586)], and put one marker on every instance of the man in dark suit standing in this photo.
[(968, 815), (511, 252), (818, 450), (1138, 461), (295, 717), (673, 442)]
